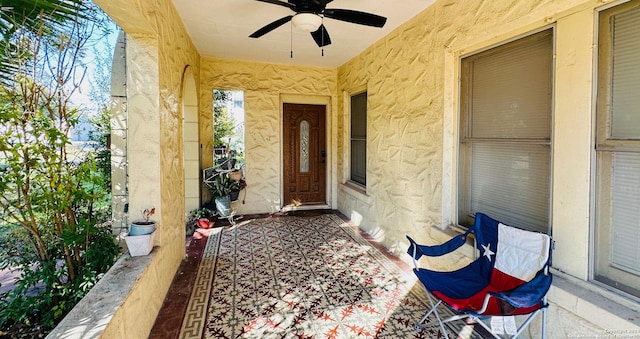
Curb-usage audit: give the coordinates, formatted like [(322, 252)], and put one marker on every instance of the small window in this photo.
[(359, 138), (617, 231), (228, 128), (505, 133)]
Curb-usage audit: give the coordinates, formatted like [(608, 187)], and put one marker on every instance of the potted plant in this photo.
[(221, 188), (200, 218), (141, 234), (144, 225), (235, 191)]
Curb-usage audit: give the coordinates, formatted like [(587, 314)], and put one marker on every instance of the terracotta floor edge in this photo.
[(171, 314)]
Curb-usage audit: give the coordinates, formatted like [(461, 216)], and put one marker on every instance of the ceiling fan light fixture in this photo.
[(308, 22)]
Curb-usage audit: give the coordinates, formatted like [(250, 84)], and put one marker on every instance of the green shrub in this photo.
[(53, 201)]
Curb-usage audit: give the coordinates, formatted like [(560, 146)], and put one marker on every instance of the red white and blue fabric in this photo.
[(511, 267)]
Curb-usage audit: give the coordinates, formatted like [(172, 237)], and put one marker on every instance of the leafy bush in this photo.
[(44, 293), (53, 200)]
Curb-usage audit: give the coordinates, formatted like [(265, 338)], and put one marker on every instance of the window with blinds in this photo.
[(505, 133), (617, 226), (359, 138)]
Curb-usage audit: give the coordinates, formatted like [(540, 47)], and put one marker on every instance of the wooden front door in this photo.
[(305, 156)]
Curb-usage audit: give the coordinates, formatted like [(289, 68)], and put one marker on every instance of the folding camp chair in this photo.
[(510, 277)]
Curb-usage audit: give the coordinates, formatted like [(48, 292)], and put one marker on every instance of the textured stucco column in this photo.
[(144, 126), (119, 137), (572, 142), (158, 50), (191, 142)]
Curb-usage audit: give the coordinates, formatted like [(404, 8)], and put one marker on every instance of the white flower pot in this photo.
[(139, 245)]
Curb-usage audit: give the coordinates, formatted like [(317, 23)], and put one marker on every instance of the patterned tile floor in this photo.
[(169, 320)]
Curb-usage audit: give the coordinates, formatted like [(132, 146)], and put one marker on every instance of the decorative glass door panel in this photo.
[(304, 147), (304, 154)]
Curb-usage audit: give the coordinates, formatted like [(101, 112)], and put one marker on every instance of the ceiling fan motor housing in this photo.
[(310, 15)]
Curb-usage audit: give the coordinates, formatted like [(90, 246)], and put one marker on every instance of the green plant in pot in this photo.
[(200, 218), (221, 189), (239, 186), (145, 225)]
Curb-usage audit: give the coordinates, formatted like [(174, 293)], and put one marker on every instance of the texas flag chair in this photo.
[(510, 276)]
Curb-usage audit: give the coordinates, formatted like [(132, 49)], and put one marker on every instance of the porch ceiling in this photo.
[(221, 29)]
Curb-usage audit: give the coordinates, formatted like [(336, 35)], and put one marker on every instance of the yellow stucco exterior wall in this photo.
[(158, 51), (266, 87), (412, 80)]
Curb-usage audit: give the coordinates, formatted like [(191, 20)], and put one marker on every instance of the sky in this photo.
[(98, 68)]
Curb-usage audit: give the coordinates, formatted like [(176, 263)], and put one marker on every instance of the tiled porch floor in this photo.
[(171, 314)]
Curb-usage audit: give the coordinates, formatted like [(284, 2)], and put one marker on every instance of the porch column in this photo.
[(118, 145), (143, 138)]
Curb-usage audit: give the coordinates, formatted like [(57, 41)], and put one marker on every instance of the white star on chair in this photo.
[(487, 251)]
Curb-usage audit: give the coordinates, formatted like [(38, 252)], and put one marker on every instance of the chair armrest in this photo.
[(529, 293), (416, 250), (526, 295)]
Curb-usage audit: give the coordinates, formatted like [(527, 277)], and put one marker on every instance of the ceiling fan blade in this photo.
[(270, 27), (281, 3), (355, 17), (321, 2), (321, 36)]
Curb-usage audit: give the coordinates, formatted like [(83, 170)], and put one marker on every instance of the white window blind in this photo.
[(625, 254), (505, 144), (511, 183), (617, 230), (359, 138), (511, 92), (625, 98)]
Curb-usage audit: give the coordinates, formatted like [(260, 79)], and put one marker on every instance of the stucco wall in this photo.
[(266, 87), (411, 77), (412, 81), (158, 50)]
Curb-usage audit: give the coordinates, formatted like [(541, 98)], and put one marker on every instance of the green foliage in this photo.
[(200, 213), (44, 18), (100, 134), (192, 218), (100, 95), (51, 197), (44, 293), (223, 124), (222, 185)]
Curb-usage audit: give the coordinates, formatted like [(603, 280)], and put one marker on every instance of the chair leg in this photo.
[(527, 322), (428, 313), (419, 325), (544, 321)]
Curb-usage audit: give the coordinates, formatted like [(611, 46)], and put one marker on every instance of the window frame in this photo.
[(603, 270), (465, 142), (349, 136)]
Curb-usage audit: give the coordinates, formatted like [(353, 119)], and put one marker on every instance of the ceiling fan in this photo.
[(309, 17)]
